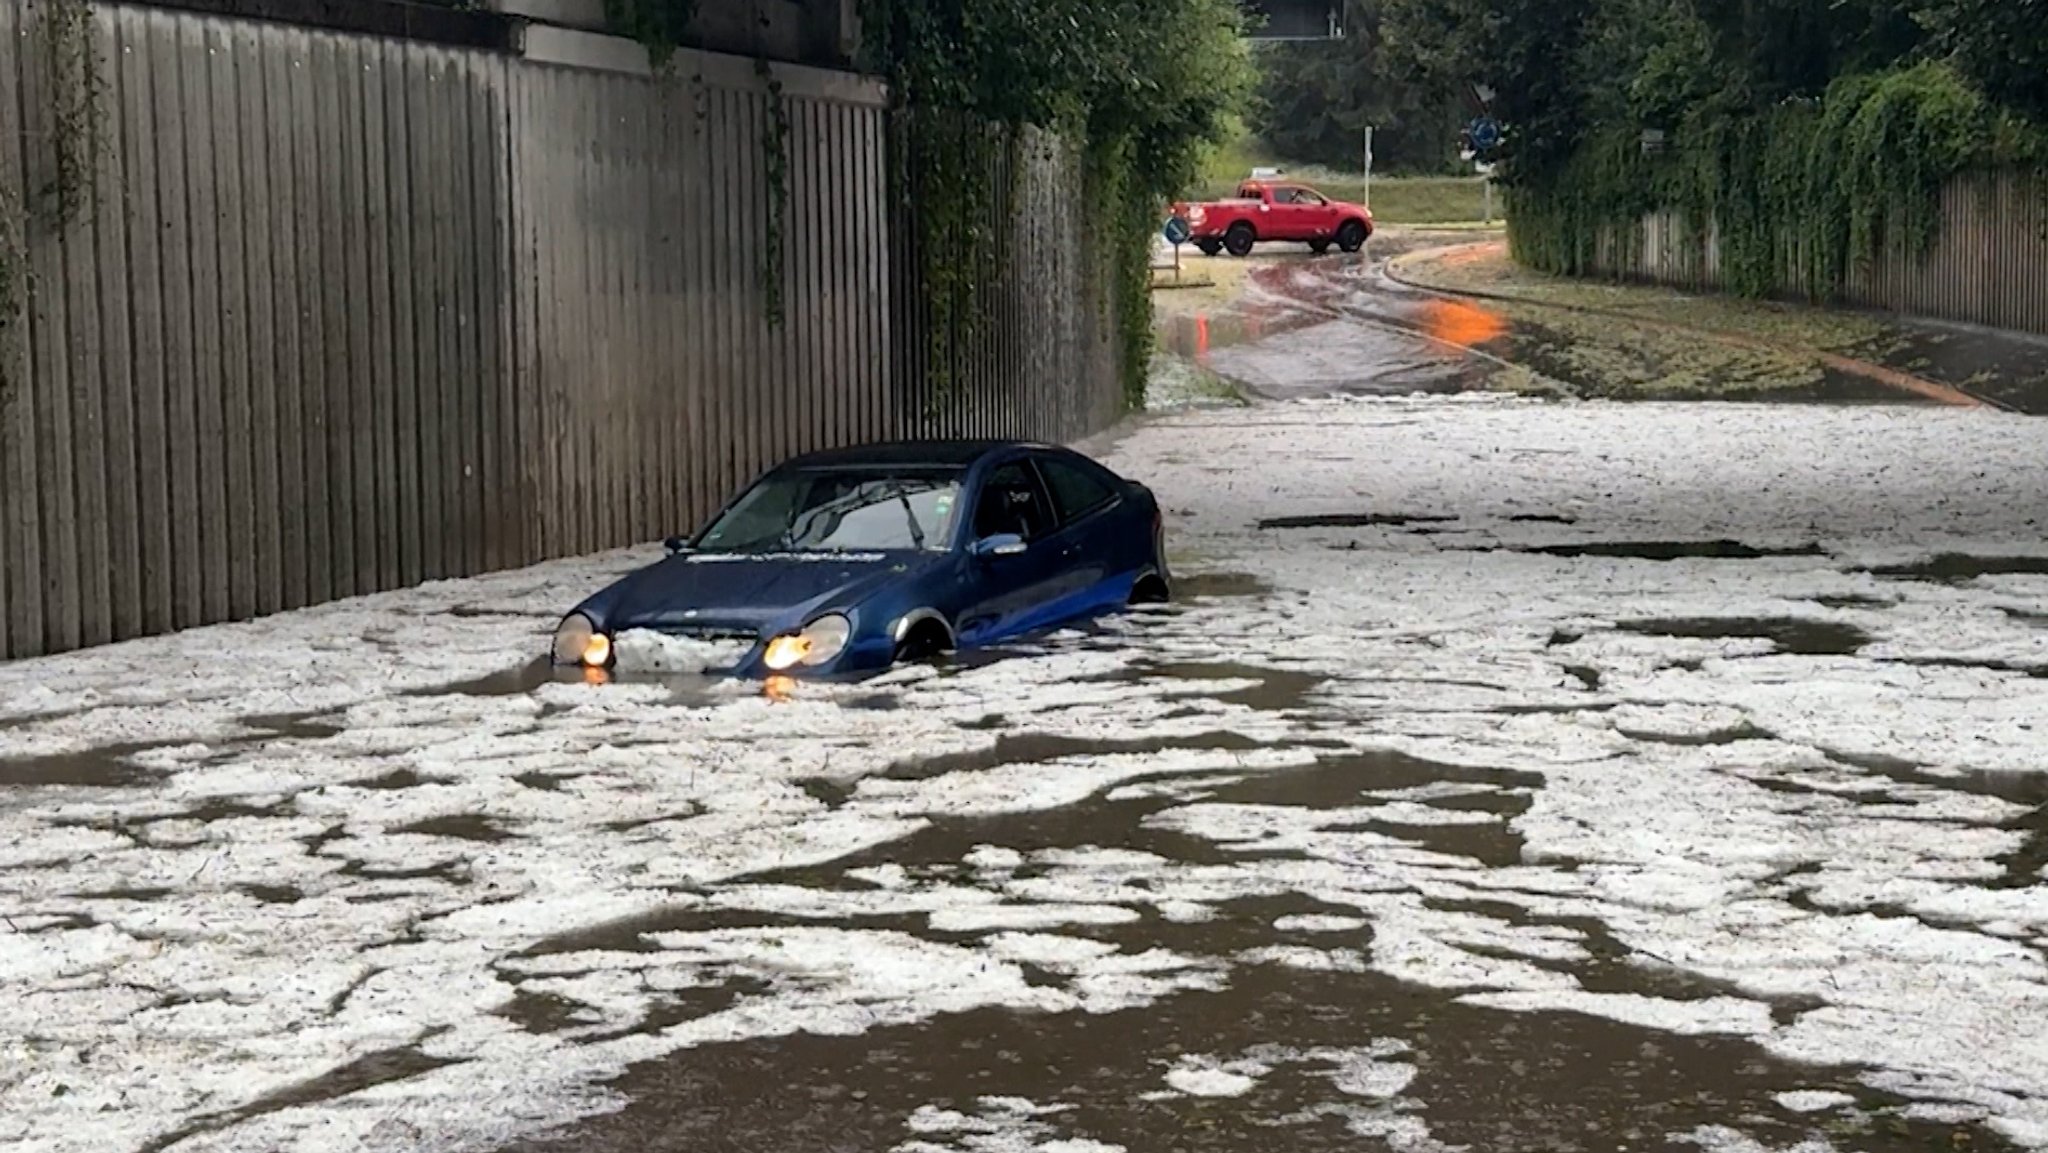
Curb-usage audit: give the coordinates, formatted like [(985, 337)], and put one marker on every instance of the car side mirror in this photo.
[(1001, 544), (675, 545)]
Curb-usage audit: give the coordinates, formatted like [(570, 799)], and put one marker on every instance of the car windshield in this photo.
[(839, 510)]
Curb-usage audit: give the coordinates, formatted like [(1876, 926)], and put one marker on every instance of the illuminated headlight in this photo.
[(817, 643), (577, 642)]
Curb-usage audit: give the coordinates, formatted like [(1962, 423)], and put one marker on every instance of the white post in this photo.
[(1368, 166), (1486, 186)]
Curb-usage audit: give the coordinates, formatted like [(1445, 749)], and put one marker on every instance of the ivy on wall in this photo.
[(62, 181), (1140, 86), (1801, 193)]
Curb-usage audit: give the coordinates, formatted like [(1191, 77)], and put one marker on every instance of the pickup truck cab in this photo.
[(1275, 210)]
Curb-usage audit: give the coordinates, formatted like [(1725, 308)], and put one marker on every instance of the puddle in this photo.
[(1279, 689), (1493, 1081), (106, 768), (465, 828), (365, 1072), (1039, 748), (1670, 550), (510, 683), (1800, 637), (1200, 586), (1358, 520), (1959, 568)]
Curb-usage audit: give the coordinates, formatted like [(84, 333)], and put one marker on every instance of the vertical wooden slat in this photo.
[(284, 76), (21, 625), (118, 303), (463, 315), (49, 366), (84, 344), (401, 307), (375, 311), (230, 226), (694, 227), (140, 84), (486, 236), (320, 305), (202, 197), (337, 473), (171, 75), (359, 384), (259, 504), (419, 323)]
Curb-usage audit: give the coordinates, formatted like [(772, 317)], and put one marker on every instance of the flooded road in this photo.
[(1506, 776)]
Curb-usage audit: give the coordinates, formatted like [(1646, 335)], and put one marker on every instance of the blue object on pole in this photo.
[(1485, 134), (1177, 230)]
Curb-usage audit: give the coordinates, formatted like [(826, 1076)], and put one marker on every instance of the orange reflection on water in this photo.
[(1462, 324), (595, 675), (779, 688)]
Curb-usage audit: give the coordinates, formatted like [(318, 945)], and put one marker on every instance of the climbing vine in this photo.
[(61, 183), (1801, 193), (1136, 87), (775, 156)]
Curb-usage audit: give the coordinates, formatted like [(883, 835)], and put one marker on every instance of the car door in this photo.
[(1309, 216), (1001, 591), (1287, 222), (1087, 548)]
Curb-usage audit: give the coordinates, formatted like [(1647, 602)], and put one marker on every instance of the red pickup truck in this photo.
[(1275, 210)]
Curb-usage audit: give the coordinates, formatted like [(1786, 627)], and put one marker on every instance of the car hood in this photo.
[(749, 592)]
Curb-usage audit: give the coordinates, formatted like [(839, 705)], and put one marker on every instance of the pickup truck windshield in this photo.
[(839, 510)]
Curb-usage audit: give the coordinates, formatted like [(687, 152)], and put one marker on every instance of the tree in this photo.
[(1315, 98)]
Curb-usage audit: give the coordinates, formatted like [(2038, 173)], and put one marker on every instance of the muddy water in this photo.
[(1487, 1080)]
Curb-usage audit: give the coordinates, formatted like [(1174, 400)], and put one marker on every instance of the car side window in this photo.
[(1076, 492), (1304, 196), (1012, 502)]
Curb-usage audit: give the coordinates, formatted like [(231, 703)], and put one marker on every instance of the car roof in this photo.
[(911, 453)]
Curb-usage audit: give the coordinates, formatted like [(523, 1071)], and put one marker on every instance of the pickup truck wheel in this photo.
[(1352, 236), (1239, 239), (1209, 247), (1319, 246)]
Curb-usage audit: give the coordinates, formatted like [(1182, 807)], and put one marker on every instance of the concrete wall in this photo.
[(338, 313)]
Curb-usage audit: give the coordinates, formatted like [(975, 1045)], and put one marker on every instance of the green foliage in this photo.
[(1315, 99), (1813, 135), (2002, 45), (1141, 85), (1801, 193)]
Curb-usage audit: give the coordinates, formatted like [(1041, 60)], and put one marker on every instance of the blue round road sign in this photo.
[(1177, 230), (1485, 134)]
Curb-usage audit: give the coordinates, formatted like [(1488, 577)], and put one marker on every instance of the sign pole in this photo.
[(1368, 166)]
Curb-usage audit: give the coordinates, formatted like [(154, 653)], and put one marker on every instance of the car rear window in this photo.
[(1076, 492)]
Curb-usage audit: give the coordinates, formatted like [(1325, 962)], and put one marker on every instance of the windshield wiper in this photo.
[(867, 494), (910, 514)]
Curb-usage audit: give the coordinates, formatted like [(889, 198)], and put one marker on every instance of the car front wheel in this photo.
[(1352, 236), (1239, 239)]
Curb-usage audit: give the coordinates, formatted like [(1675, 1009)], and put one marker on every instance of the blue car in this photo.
[(845, 562)]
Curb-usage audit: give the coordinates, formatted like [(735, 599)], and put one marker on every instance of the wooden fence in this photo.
[(290, 315), (1989, 265)]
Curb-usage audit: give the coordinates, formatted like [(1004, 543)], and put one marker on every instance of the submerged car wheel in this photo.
[(1319, 246), (925, 640), (1209, 247), (1150, 589), (1239, 239), (1352, 236)]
